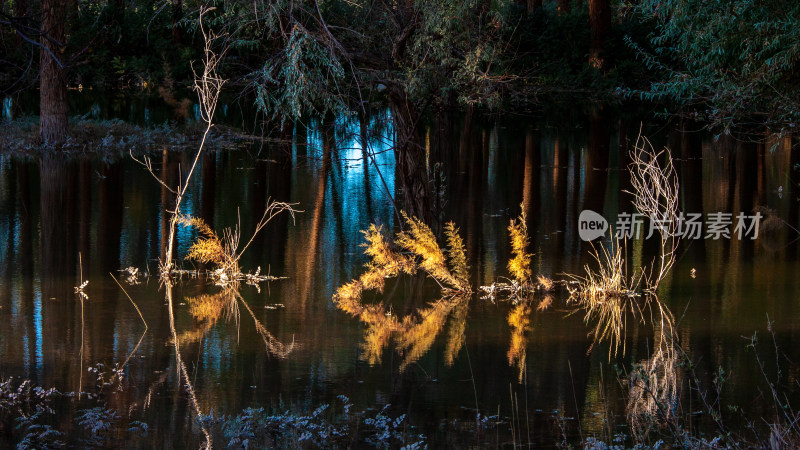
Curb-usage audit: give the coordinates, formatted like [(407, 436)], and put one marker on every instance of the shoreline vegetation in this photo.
[(298, 60), (114, 138)]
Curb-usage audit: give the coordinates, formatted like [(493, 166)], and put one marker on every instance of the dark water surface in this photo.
[(289, 348)]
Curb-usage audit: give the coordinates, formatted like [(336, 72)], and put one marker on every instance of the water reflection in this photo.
[(207, 309), (655, 386), (8, 108), (414, 333), (520, 319), (520, 323), (393, 349)]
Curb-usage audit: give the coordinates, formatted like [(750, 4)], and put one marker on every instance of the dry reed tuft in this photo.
[(425, 254), (521, 286), (607, 293), (224, 253), (415, 333), (610, 278), (422, 243), (520, 264)]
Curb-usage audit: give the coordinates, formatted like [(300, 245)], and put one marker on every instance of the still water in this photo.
[(288, 348)]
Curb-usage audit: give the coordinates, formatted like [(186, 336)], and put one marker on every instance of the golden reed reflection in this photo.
[(519, 319), (208, 309), (415, 333)]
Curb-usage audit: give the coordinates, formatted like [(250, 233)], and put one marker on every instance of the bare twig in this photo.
[(208, 85), (655, 190)]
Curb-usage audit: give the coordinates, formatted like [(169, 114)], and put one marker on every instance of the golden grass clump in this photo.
[(378, 249), (225, 252), (520, 264), (420, 240), (457, 254), (545, 284), (385, 262), (208, 249), (521, 286), (415, 333)]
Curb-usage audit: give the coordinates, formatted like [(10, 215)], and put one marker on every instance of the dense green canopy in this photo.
[(724, 62)]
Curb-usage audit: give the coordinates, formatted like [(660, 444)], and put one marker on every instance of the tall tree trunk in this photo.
[(58, 181), (600, 22), (110, 203), (22, 10), (411, 171), (52, 75), (596, 165), (177, 14)]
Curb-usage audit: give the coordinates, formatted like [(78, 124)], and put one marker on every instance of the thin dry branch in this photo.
[(208, 86), (655, 191), (181, 367), (273, 345), (273, 209), (224, 252)]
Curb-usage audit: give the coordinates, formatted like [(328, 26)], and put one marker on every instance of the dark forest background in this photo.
[(721, 63)]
